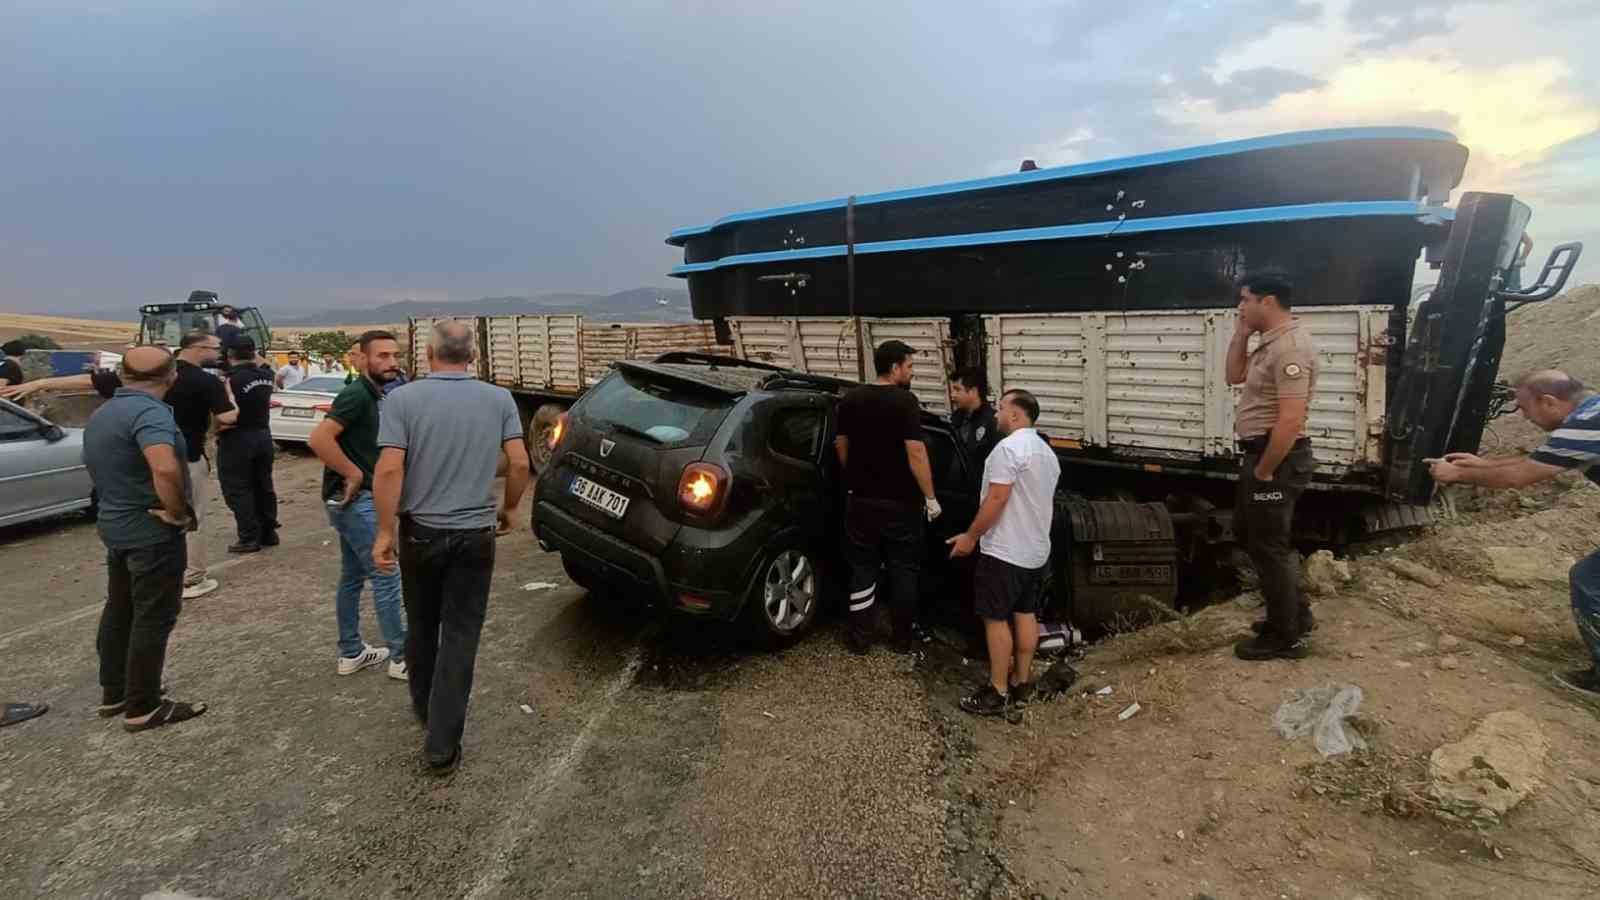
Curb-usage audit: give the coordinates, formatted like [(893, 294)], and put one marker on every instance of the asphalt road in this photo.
[(662, 758)]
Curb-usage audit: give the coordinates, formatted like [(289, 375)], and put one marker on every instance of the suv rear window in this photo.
[(665, 413)]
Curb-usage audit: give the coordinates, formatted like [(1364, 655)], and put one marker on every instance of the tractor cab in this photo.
[(167, 323)]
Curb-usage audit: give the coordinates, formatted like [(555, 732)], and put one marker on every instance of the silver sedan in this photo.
[(41, 467), (295, 412)]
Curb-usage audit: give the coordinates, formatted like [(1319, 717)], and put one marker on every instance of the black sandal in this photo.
[(170, 712), (112, 710), (22, 712)]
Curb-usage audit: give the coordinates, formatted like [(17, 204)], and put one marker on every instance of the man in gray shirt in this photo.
[(440, 441), (135, 454)]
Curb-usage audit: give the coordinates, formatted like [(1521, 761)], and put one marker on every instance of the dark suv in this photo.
[(708, 485)]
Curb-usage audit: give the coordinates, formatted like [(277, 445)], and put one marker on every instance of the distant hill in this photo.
[(637, 305)]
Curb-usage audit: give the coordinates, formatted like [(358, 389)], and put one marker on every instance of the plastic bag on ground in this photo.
[(1321, 712)]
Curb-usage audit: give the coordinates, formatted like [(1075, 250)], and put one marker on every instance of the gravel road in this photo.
[(662, 759)]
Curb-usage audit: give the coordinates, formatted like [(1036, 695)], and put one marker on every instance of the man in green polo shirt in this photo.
[(347, 443)]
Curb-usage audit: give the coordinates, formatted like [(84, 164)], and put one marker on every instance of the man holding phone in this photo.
[(1279, 378)]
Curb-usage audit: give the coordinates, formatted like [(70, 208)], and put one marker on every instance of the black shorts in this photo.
[(1001, 590)]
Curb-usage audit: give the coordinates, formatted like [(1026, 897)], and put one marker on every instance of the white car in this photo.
[(295, 412)]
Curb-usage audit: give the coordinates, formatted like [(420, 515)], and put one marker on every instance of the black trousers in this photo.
[(244, 467), (444, 575), (883, 534), (144, 593), (1263, 520)]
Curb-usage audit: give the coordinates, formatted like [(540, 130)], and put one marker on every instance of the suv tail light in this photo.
[(702, 488), (323, 407), (274, 404)]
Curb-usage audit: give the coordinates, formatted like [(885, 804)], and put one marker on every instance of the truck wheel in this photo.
[(784, 600)]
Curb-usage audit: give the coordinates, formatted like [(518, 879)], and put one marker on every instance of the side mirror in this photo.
[(52, 433)]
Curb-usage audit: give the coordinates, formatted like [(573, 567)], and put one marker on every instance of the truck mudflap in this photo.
[(1446, 390), (1114, 563)]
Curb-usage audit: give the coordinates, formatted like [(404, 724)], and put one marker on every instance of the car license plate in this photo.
[(604, 499), (297, 413), (1110, 573)]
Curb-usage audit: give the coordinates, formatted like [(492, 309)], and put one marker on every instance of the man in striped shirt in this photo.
[(1558, 403)]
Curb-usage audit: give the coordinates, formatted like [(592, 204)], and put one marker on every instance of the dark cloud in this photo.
[(1115, 70), (1250, 88), (1386, 23)]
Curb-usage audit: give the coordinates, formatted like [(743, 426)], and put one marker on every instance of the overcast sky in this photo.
[(346, 153)]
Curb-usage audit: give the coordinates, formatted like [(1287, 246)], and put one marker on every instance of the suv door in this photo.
[(953, 486), (794, 445)]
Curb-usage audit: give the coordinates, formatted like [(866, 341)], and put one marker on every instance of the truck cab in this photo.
[(167, 323)]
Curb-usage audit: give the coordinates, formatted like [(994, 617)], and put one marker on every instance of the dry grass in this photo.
[(1375, 781), (1202, 632), (67, 331)]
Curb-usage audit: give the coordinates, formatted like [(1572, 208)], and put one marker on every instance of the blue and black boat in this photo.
[(1156, 231)]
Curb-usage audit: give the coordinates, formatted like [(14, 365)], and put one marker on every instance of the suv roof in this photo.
[(733, 376)]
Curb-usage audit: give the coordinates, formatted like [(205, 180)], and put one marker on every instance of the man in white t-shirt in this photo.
[(1012, 533), (292, 374)]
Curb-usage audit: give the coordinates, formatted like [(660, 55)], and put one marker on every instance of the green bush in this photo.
[(32, 342), (335, 342)]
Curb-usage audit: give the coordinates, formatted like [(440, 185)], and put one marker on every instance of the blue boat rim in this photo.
[(1424, 213), (1290, 139)]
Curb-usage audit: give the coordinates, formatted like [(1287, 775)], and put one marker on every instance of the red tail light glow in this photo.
[(323, 407), (273, 404), (702, 488)]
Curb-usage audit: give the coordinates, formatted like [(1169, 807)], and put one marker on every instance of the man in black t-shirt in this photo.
[(10, 369), (196, 397), (885, 462), (244, 453)]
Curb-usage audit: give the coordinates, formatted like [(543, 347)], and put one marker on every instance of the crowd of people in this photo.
[(409, 490)]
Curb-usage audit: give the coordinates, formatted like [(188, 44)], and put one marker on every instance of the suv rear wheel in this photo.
[(786, 597)]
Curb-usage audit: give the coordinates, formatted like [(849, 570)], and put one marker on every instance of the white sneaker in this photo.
[(397, 670), (370, 656), (199, 588)]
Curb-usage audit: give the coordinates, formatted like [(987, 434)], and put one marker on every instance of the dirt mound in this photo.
[(1560, 333)]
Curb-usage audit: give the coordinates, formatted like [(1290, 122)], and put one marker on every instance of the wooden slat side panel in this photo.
[(1156, 380)]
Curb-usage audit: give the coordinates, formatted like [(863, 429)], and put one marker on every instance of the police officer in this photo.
[(973, 417), (1279, 378), (885, 461)]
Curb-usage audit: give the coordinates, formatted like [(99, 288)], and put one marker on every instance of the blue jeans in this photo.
[(357, 525), (1585, 578)]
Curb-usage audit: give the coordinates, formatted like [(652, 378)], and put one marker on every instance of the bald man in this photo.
[(440, 441), (1559, 404), (135, 454)]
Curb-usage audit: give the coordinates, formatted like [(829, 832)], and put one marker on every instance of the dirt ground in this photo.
[(70, 333), (665, 759)]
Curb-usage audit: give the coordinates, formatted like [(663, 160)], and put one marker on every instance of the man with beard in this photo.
[(347, 443), (885, 462)]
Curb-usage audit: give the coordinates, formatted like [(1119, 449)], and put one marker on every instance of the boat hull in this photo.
[(1352, 165), (1334, 259)]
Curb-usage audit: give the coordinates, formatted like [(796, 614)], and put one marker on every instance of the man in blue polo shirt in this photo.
[(1558, 403), (135, 454)]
